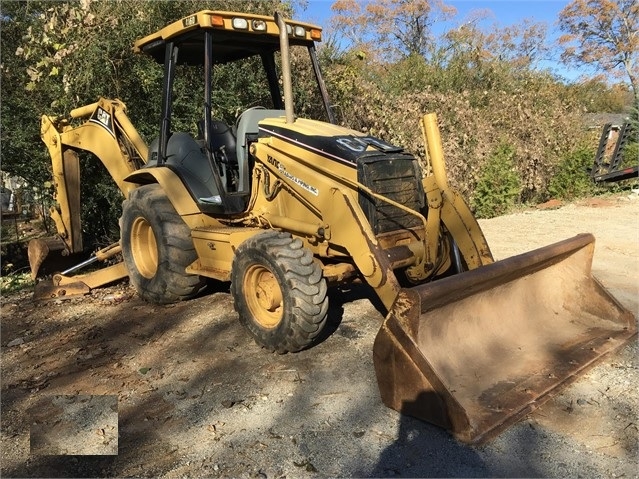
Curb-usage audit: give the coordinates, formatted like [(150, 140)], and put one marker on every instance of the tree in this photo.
[(521, 45), (56, 56), (604, 34), (396, 27)]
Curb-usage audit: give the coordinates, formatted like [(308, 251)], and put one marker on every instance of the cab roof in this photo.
[(235, 36)]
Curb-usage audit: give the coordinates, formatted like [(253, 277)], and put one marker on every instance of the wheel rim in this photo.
[(144, 248), (263, 296)]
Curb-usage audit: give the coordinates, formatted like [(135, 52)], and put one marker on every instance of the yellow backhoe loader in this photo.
[(284, 206)]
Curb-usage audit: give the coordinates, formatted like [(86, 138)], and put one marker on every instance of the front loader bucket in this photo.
[(476, 352)]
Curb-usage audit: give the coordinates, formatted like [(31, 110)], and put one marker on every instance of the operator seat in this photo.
[(185, 156)]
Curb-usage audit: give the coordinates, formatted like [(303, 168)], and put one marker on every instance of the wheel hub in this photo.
[(144, 247), (264, 296)]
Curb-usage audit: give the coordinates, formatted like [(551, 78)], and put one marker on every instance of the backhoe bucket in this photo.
[(39, 249), (477, 351)]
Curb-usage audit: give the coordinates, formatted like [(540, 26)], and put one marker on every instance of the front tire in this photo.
[(157, 247), (279, 291)]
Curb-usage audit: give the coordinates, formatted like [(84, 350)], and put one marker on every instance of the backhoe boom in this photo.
[(108, 134)]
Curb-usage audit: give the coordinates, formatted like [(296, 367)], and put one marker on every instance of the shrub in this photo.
[(14, 282), (499, 184), (630, 155), (572, 178)]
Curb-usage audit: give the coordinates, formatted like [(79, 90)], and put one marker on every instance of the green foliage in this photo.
[(238, 86), (596, 96), (572, 178), (12, 280), (15, 282), (8, 231), (530, 106), (60, 55), (634, 120), (57, 56), (499, 185), (630, 154), (101, 204)]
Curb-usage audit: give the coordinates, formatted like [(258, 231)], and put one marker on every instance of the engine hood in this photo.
[(332, 141)]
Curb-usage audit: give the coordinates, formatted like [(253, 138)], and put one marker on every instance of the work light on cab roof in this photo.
[(232, 21)]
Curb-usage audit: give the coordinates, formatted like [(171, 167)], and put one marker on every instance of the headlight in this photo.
[(299, 31), (258, 25), (240, 24)]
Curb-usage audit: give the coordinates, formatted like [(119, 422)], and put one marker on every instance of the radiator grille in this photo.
[(396, 177)]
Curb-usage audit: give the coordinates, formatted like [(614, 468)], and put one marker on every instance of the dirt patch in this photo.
[(550, 205), (197, 397), (74, 425)]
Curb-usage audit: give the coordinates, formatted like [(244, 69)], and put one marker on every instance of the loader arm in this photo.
[(108, 134), (455, 213)]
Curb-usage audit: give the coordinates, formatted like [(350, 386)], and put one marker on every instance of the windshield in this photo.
[(242, 84)]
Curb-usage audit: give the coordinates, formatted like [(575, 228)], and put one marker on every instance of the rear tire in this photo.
[(157, 247), (279, 292)]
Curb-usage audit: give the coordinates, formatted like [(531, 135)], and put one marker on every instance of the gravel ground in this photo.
[(196, 397)]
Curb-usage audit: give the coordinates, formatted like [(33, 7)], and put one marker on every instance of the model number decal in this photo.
[(298, 181)]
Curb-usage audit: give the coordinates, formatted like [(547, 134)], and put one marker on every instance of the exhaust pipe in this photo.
[(286, 68)]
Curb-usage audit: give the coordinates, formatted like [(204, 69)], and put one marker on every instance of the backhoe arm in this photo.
[(106, 132), (110, 136)]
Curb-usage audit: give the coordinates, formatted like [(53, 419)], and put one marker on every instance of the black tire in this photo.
[(279, 291), (157, 247)]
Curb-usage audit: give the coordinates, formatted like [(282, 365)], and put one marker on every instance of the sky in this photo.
[(502, 12), (506, 12)]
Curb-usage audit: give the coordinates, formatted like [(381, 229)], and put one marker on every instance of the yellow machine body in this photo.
[(470, 345)]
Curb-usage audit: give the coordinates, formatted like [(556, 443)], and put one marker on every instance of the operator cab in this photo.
[(212, 64)]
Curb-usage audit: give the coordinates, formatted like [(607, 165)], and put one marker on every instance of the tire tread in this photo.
[(171, 283), (305, 291)]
